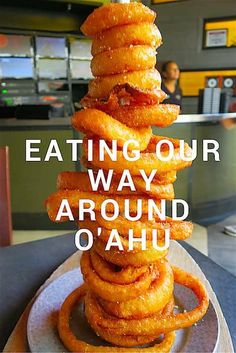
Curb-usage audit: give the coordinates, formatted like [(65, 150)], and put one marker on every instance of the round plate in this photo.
[(42, 321)]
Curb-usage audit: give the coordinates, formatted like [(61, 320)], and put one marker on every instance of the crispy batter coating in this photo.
[(112, 15), (126, 36), (122, 60)]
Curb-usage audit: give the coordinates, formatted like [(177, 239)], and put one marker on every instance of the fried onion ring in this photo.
[(135, 108), (159, 179), (179, 230), (75, 345), (53, 202), (111, 15), (104, 235), (144, 79), (153, 326), (161, 115), (80, 181), (121, 60), (121, 340), (125, 36), (148, 303), (122, 258), (109, 272), (147, 161), (99, 123), (115, 292)]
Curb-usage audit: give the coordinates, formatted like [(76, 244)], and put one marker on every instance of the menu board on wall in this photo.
[(216, 38), (219, 33)]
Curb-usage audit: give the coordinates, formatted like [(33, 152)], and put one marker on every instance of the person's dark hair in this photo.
[(165, 65)]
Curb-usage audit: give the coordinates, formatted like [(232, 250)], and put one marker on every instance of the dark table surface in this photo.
[(25, 267)]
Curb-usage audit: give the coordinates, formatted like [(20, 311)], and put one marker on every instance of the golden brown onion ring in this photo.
[(144, 79), (165, 178), (80, 181), (161, 115), (104, 235), (120, 340), (121, 60), (148, 160), (153, 326), (74, 180), (53, 202), (127, 35), (122, 258), (159, 179), (158, 191), (75, 345), (110, 273), (148, 303), (111, 291), (99, 123), (179, 230), (157, 138), (111, 15)]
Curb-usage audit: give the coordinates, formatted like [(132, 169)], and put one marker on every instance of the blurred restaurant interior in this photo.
[(45, 70)]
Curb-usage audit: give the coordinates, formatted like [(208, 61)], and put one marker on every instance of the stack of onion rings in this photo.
[(154, 325), (128, 293)]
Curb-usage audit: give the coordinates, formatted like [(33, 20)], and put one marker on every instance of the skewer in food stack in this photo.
[(128, 294)]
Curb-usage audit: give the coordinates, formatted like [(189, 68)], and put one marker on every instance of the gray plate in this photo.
[(42, 331)]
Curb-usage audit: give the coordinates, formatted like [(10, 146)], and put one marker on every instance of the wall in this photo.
[(33, 182), (181, 25)]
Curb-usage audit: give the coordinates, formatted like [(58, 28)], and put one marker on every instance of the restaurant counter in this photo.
[(208, 187)]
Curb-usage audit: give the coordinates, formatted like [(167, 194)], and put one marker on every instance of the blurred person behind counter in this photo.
[(170, 76)]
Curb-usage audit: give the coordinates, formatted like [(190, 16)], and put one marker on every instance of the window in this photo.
[(51, 47), (15, 45), (16, 68)]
